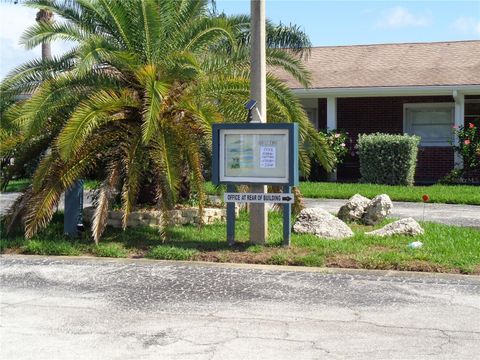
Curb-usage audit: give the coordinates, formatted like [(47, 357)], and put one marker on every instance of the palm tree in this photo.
[(44, 15), (137, 96)]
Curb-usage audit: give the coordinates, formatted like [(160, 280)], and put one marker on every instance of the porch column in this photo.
[(332, 125), (331, 113), (459, 121)]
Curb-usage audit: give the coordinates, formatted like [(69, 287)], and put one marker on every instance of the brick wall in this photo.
[(433, 163), (385, 114)]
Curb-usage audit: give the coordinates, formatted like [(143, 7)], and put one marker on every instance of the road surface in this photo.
[(63, 308)]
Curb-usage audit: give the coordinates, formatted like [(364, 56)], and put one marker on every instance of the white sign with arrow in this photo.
[(259, 198)]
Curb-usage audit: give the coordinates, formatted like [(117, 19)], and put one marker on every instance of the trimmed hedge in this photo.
[(388, 159)]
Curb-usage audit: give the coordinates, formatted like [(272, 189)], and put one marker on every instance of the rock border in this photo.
[(187, 216)]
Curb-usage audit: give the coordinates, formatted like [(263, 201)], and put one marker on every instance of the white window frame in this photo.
[(443, 105)]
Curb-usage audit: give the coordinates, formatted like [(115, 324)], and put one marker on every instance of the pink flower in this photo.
[(342, 144), (337, 135), (471, 126), (467, 142)]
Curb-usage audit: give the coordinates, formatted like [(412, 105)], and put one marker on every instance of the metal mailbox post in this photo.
[(256, 153)]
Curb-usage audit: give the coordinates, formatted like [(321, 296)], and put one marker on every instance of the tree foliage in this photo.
[(137, 96)]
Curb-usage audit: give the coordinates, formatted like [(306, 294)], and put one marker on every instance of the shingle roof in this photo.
[(414, 64)]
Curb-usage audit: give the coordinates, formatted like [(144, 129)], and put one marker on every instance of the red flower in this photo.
[(467, 142), (471, 126), (425, 198)]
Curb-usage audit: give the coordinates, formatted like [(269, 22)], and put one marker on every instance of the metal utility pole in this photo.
[(258, 92)]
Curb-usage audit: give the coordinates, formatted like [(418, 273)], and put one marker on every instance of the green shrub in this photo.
[(388, 159)]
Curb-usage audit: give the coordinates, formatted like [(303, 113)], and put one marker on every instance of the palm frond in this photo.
[(101, 210), (132, 163), (102, 107), (154, 93)]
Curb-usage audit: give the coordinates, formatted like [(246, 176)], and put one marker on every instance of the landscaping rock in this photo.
[(407, 226), (377, 209), (321, 223), (354, 208), (153, 217)]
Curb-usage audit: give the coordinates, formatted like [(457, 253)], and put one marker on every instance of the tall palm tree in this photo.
[(44, 15), (137, 95)]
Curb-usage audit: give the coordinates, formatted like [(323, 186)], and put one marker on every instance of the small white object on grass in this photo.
[(415, 245)]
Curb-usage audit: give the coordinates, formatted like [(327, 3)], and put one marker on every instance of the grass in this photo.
[(162, 252), (114, 250), (449, 194), (446, 248), (17, 185), (21, 184)]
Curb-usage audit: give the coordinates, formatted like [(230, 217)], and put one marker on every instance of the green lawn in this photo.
[(446, 248), (17, 185), (450, 194), (21, 184)]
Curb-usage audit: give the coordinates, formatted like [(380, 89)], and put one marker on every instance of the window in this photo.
[(312, 115), (432, 122)]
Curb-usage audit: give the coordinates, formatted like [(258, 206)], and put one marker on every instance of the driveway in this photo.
[(63, 308), (7, 199), (450, 214)]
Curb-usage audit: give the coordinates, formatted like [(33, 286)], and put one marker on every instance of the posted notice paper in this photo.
[(267, 157)]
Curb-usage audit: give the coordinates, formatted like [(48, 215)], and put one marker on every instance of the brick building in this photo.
[(419, 88)]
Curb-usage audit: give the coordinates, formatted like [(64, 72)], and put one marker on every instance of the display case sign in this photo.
[(255, 153)]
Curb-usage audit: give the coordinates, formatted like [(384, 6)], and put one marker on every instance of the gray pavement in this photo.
[(62, 308), (7, 199)]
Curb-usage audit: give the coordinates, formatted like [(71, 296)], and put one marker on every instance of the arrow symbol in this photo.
[(286, 198)]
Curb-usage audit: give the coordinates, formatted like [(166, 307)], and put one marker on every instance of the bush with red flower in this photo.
[(468, 146)]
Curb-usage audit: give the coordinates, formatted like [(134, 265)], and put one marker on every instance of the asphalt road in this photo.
[(60, 308)]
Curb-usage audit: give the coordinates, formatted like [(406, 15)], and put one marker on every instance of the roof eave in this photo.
[(388, 91)]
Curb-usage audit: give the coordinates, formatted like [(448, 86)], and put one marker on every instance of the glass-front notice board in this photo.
[(254, 155)]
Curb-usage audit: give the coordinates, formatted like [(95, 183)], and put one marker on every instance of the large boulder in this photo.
[(321, 223), (407, 226), (377, 209), (354, 208)]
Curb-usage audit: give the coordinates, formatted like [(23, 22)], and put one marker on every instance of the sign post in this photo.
[(256, 154), (73, 217)]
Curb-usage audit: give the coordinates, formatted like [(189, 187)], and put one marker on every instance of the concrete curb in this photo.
[(324, 270)]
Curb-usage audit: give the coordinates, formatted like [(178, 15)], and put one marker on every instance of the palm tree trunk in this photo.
[(47, 16)]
